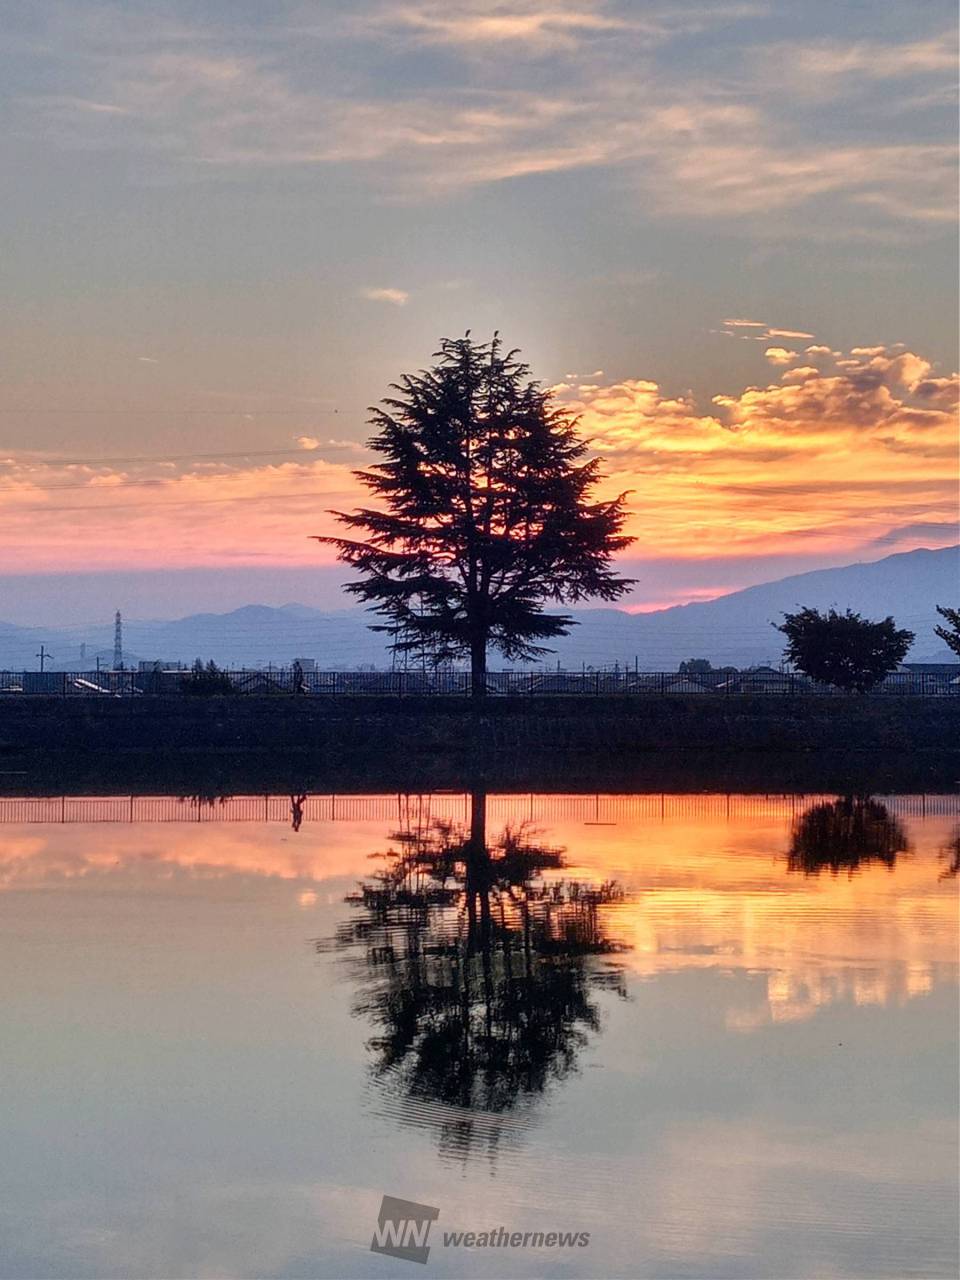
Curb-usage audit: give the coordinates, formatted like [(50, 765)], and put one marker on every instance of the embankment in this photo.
[(764, 742)]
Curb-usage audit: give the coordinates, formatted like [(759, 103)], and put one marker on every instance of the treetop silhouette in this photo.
[(485, 512), (843, 649), (950, 634)]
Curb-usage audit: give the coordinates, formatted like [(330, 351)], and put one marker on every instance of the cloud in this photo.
[(846, 67), (787, 333), (69, 516), (745, 324), (929, 534), (206, 103), (780, 355), (147, 360), (822, 461), (532, 25), (537, 27), (397, 297)]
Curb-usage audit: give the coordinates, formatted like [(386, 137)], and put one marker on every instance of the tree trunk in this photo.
[(478, 666), (478, 869)]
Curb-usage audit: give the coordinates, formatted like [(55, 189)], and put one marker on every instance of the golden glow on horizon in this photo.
[(836, 453)]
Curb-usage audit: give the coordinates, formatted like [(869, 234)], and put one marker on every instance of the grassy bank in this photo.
[(693, 742)]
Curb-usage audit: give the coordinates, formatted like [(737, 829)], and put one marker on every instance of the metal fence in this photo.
[(292, 682), (413, 810)]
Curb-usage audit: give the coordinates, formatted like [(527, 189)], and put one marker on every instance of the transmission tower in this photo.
[(117, 642)]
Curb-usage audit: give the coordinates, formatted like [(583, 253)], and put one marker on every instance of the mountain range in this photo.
[(732, 629)]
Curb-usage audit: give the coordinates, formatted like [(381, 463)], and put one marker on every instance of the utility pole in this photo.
[(43, 655)]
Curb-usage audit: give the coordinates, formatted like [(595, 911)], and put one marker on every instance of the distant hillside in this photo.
[(733, 629), (737, 627)]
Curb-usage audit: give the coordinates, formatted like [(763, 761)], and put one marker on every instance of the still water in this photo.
[(715, 1035)]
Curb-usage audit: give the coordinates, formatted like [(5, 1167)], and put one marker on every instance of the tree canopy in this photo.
[(485, 512), (843, 649), (207, 681), (950, 634)]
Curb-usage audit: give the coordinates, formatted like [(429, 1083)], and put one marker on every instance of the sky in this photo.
[(723, 232)]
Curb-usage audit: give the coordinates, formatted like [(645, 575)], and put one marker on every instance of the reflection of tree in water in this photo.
[(950, 853), (841, 835), (207, 798), (479, 973), (296, 810)]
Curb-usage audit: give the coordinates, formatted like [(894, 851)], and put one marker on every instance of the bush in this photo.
[(207, 681)]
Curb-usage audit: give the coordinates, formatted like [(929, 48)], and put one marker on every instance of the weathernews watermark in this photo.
[(403, 1231)]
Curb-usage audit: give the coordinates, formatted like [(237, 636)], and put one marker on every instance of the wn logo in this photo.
[(403, 1228)]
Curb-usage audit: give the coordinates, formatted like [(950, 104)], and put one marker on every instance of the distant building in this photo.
[(763, 679), (683, 684), (931, 678)]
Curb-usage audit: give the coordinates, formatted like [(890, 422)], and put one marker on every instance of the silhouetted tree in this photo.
[(206, 680), (950, 634), (842, 834), (474, 966), (697, 667), (485, 512), (843, 649)]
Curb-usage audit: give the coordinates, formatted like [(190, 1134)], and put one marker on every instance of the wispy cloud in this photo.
[(397, 297), (70, 516), (849, 66), (729, 145), (532, 25)]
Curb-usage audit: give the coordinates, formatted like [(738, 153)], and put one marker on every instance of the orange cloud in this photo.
[(827, 458), (63, 518), (780, 355), (834, 454)]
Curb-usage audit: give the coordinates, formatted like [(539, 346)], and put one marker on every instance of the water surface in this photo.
[(717, 1033)]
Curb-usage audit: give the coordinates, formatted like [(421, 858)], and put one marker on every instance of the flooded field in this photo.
[(620, 1035)]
